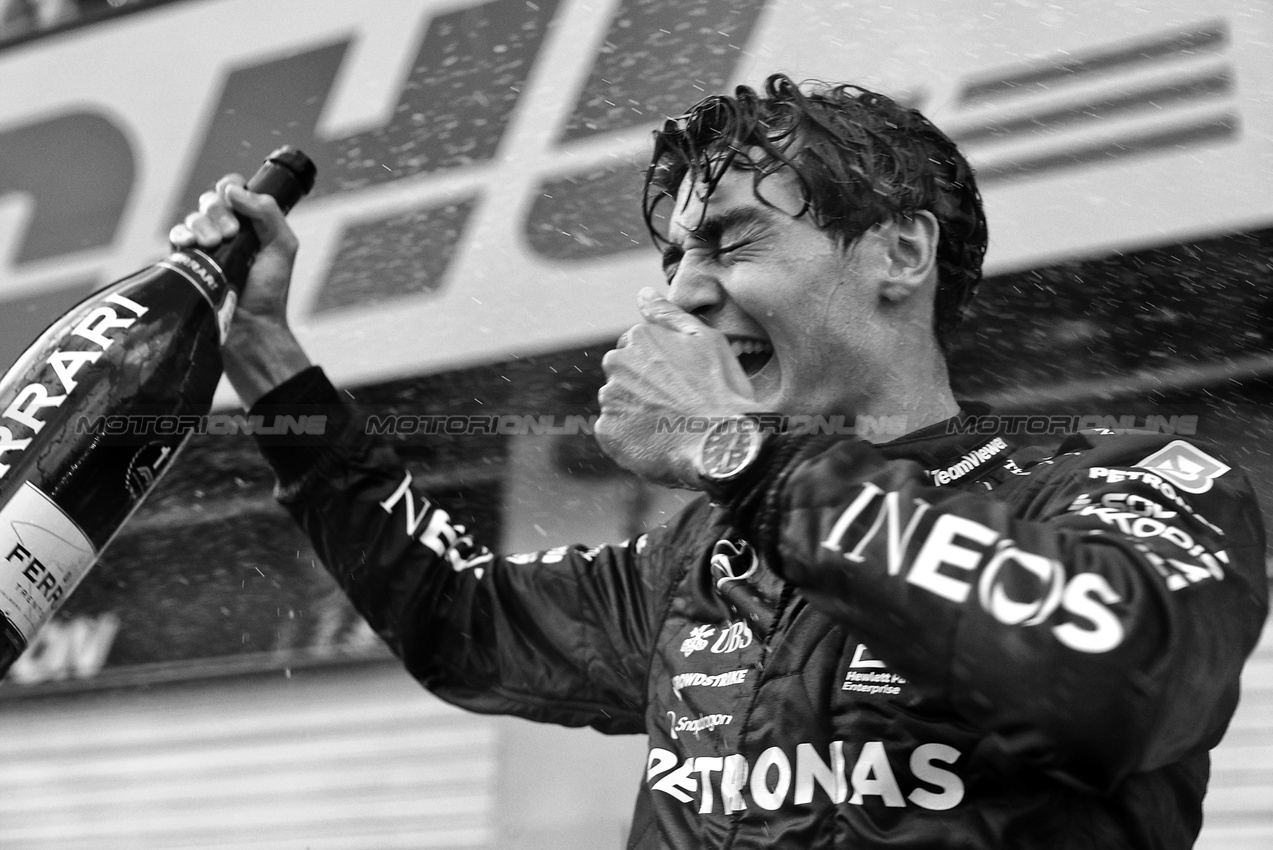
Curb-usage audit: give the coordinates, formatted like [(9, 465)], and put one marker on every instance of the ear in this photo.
[(910, 246)]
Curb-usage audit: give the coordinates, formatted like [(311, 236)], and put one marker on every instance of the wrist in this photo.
[(260, 354)]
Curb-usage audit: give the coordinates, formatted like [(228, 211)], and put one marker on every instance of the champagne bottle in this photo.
[(93, 413)]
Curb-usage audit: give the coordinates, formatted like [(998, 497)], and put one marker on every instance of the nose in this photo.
[(695, 289)]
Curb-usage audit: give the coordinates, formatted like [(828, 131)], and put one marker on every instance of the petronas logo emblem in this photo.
[(1186, 466)]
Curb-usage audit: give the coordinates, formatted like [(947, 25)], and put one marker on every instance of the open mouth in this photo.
[(752, 354)]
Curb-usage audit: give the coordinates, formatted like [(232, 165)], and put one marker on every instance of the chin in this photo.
[(770, 400)]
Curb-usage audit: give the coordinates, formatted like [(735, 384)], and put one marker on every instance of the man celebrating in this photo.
[(940, 641)]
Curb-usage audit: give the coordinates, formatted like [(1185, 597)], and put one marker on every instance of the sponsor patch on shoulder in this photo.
[(1185, 465)]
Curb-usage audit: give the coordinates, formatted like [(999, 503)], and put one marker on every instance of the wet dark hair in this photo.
[(860, 159)]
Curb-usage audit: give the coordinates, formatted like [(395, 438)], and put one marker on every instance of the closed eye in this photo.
[(746, 226), (672, 256)]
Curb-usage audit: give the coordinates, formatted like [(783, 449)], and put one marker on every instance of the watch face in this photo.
[(728, 449)]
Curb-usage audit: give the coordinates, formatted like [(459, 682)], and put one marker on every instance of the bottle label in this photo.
[(43, 556), (49, 371), (202, 271)]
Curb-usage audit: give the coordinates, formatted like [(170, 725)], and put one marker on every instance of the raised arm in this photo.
[(558, 636)]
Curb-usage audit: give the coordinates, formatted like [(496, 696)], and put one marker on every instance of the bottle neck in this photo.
[(235, 255)]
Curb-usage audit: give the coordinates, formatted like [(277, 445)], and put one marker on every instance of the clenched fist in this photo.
[(669, 366)]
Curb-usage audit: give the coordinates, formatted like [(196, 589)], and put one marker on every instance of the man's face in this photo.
[(800, 311)]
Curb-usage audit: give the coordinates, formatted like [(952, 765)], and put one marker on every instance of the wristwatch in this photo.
[(729, 450)]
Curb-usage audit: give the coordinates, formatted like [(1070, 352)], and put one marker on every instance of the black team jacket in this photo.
[(946, 641)]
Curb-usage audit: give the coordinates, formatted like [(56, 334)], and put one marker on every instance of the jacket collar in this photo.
[(949, 452)]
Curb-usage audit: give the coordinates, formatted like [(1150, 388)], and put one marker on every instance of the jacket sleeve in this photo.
[(1093, 619), (560, 636)]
